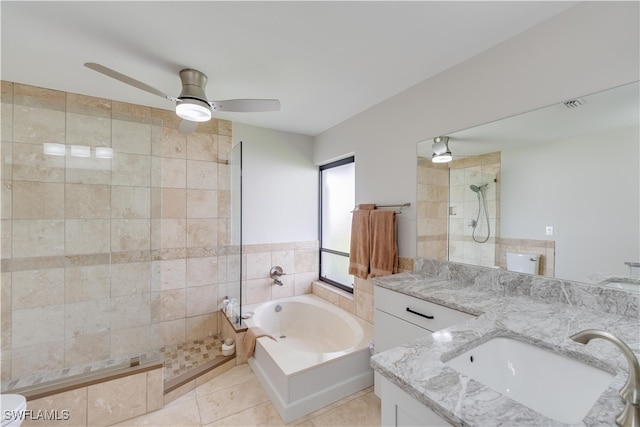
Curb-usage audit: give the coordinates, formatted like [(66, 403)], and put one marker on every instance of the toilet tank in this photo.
[(523, 262)]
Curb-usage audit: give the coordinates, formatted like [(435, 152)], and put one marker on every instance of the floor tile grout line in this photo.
[(243, 375), (199, 411), (233, 385)]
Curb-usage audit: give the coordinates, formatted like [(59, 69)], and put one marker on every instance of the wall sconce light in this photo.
[(54, 149), (441, 152)]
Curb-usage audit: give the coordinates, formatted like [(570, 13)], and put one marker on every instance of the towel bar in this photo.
[(404, 205)]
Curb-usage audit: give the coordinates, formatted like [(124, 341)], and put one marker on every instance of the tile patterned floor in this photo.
[(178, 359), (236, 398)]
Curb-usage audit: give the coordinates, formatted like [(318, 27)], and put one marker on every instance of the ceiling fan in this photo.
[(192, 105)]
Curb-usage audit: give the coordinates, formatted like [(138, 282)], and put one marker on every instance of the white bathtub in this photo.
[(321, 354)]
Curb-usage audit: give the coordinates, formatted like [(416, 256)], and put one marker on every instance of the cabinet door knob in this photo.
[(419, 314)]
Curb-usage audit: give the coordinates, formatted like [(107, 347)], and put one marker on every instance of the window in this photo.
[(337, 198)]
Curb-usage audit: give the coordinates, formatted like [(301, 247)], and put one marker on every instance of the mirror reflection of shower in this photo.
[(482, 206), (463, 209)]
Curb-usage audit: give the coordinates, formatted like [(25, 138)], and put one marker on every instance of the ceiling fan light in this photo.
[(441, 158), (441, 152), (193, 110)]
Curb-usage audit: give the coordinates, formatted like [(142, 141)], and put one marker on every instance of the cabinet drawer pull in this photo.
[(419, 314)]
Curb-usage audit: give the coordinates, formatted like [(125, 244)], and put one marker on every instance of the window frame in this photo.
[(321, 168)]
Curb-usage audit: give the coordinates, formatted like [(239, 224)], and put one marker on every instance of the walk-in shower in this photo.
[(482, 207), (121, 242)]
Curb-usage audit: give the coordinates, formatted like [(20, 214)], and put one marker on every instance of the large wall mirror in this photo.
[(561, 183)]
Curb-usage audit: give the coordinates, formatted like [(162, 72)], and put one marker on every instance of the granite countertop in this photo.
[(417, 367)]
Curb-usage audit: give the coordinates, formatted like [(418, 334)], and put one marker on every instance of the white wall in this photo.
[(590, 47), (590, 199), (279, 186)]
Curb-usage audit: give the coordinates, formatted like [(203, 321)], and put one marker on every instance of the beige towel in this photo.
[(250, 337), (366, 206), (384, 246), (360, 247)]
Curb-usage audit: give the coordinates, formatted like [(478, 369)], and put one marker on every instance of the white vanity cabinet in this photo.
[(400, 409), (399, 318)]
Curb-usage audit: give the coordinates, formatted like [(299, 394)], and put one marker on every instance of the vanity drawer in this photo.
[(389, 331), (416, 311)]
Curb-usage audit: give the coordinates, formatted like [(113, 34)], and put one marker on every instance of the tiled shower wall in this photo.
[(108, 256), (299, 262), (433, 209), (464, 208), (443, 233)]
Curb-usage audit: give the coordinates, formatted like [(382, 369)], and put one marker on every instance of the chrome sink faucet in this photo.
[(630, 392)]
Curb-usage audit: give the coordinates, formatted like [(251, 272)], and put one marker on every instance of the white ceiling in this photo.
[(326, 61)]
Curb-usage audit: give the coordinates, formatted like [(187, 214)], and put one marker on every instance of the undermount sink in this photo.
[(622, 283), (554, 385)]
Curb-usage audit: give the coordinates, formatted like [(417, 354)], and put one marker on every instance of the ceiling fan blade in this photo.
[(187, 126), (128, 80), (246, 105)]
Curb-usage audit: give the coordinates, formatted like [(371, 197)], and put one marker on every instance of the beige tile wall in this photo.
[(299, 261), (105, 257), (434, 238), (360, 303), (433, 209), (100, 404), (433, 216)]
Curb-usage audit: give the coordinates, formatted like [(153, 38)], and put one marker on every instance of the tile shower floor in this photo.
[(180, 359), (236, 398)]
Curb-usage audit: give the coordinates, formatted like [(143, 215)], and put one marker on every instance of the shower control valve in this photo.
[(276, 272)]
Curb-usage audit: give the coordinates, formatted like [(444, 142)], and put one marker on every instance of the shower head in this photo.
[(476, 189)]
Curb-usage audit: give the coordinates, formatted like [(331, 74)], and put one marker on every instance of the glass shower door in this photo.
[(234, 248)]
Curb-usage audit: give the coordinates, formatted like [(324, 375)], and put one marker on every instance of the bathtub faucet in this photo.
[(275, 274)]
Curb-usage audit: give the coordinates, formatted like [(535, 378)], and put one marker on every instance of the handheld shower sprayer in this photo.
[(482, 202), (477, 189)]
